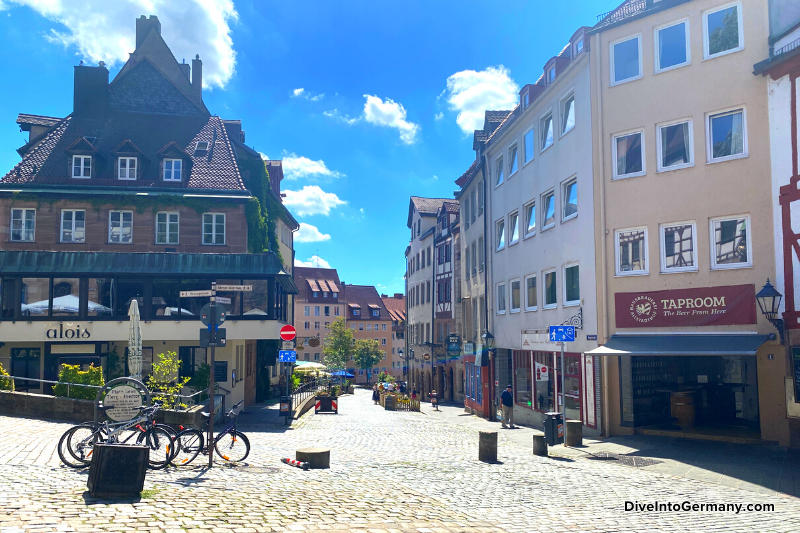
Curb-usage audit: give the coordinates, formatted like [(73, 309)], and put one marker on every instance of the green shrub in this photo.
[(201, 381), (73, 374), (163, 380), (5, 382)]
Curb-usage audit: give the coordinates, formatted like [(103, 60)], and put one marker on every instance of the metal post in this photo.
[(211, 385), (287, 370), (563, 397)]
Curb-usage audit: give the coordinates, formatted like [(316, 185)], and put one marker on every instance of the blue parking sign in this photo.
[(287, 356), (562, 333)]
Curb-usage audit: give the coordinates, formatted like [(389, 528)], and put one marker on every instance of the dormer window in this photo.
[(172, 169), (126, 168), (201, 146), (526, 101), (82, 166), (579, 47), (551, 75)]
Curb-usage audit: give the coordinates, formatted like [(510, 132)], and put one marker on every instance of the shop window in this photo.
[(66, 300), (101, 297), (523, 384), (26, 363), (166, 298), (35, 297), (191, 357), (256, 302), (233, 309), (8, 291), (191, 307), (128, 290)]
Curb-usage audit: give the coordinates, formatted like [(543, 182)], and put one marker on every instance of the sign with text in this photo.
[(221, 371), (123, 402), (239, 288), (705, 306), (195, 294)]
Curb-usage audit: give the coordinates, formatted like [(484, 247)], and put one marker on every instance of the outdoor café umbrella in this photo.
[(309, 365), (342, 373), (135, 342)]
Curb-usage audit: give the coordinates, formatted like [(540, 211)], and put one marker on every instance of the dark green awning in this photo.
[(666, 345)]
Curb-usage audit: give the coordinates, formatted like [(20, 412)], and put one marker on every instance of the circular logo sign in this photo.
[(124, 401), (427, 357), (313, 342), (643, 309), (288, 333)]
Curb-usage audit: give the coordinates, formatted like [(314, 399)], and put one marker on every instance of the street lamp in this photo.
[(488, 340), (769, 300)]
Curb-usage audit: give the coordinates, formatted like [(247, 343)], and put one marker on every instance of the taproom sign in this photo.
[(705, 306)]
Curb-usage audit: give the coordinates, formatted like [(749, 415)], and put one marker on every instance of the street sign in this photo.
[(288, 333), (205, 314), (427, 357), (287, 356), (235, 288), (223, 300), (206, 337), (192, 294), (287, 345), (562, 333)]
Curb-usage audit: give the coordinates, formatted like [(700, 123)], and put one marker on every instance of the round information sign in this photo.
[(123, 402)]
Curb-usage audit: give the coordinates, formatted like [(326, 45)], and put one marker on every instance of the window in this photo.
[(469, 261), (167, 227), (480, 198), (675, 143), (528, 145), (522, 379), (316, 325), (316, 310), (307, 325), (466, 212), (631, 245), (501, 234), (474, 260), (570, 195), (579, 46), (126, 168), (568, 114), (722, 31), (572, 286), (357, 312), (530, 293), (213, 228), (315, 294), (672, 46), (730, 248), (515, 296), (512, 160), (628, 155), (727, 136), (546, 127), (81, 166), (172, 169), (551, 74), (525, 101), (513, 226), (23, 225), (626, 60), (678, 250), (73, 226), (501, 298), (549, 214), (327, 309), (550, 293), (369, 326), (474, 198), (376, 312), (120, 227), (383, 342), (530, 219), (336, 309), (307, 310), (325, 294), (500, 169), (383, 327)]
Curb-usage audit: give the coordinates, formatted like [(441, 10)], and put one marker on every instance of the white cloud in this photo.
[(311, 200), (336, 115), (471, 93), (438, 116), (309, 233), (314, 261), (105, 31), (302, 93), (297, 167), (390, 114)]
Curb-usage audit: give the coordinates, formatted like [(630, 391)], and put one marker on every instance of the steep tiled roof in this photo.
[(37, 120), (145, 89), (304, 275), (507, 121), (469, 174), (428, 206), (396, 307), (451, 206), (363, 296)]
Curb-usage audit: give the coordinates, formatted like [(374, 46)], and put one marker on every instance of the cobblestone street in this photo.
[(390, 472)]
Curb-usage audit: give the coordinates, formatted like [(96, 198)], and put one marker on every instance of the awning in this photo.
[(666, 345)]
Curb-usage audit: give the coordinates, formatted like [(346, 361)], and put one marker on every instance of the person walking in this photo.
[(375, 396), (414, 392), (507, 399)]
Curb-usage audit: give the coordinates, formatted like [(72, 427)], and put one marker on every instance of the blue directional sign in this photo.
[(287, 356), (562, 333)]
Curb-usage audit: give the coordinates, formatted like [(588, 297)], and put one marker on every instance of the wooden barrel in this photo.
[(682, 408)]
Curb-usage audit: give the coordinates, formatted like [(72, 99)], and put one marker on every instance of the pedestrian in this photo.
[(402, 387), (507, 399), (414, 392), (375, 396), (391, 387)]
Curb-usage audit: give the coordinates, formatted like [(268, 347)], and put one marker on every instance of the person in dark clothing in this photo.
[(507, 399), (375, 395)]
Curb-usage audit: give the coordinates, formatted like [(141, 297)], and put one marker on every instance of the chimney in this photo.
[(197, 76), (398, 295), (90, 96), (185, 69), (143, 27)]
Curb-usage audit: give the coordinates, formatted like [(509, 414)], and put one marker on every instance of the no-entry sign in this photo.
[(288, 333)]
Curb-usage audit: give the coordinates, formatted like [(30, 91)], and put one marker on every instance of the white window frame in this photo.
[(82, 158), (497, 246), (569, 303), (564, 198), (709, 141), (532, 131), (178, 222), (663, 252), (656, 56), (545, 194), (22, 233), (214, 224), (551, 74), (561, 119), (511, 298), (543, 131), (525, 288), (713, 243), (127, 168), (172, 172), (659, 147), (61, 227), (511, 229), (611, 59), (545, 305), (511, 147), (497, 292), (525, 208), (500, 177), (614, 138), (121, 222), (644, 251), (706, 13)]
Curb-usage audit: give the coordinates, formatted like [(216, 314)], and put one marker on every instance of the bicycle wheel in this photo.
[(232, 446), (188, 444), (160, 444), (77, 444), (172, 433)]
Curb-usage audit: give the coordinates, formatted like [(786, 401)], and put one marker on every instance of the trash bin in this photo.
[(286, 406), (553, 428)]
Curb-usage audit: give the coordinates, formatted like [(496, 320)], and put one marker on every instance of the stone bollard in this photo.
[(574, 433), (315, 457), (539, 446), (487, 446)]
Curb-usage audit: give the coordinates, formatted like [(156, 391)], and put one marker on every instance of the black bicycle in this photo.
[(232, 445)]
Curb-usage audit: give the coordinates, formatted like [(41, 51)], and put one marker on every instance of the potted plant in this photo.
[(326, 401)]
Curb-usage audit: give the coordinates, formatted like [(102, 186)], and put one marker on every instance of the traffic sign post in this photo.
[(288, 333), (562, 335), (287, 356)]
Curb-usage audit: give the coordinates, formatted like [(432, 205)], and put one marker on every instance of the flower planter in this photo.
[(326, 404)]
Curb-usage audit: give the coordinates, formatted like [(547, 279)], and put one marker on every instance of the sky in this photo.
[(367, 102)]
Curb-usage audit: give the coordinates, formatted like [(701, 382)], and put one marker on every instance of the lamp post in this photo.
[(769, 301), (488, 341)]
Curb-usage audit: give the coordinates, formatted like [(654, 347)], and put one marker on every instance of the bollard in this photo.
[(574, 433), (315, 457), (292, 462), (487, 446), (539, 446)]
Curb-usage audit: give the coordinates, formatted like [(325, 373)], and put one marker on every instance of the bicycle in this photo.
[(79, 441), (230, 444)]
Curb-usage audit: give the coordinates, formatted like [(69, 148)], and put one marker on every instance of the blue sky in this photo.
[(390, 94)]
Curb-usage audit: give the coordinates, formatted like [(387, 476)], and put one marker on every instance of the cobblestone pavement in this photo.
[(391, 472)]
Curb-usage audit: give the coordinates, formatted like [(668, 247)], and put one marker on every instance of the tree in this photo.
[(164, 383), (368, 353), (338, 348)]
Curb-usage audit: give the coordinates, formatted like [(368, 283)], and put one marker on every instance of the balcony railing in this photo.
[(788, 48), (634, 7)]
